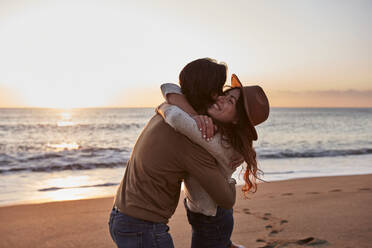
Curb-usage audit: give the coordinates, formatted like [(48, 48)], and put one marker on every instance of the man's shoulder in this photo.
[(157, 126), (161, 146), (172, 139)]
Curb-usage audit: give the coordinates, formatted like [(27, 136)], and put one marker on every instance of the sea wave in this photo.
[(314, 154), (73, 126), (289, 172), (42, 155), (278, 172), (86, 158), (73, 166)]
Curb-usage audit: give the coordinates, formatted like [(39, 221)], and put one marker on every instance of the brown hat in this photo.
[(256, 104)]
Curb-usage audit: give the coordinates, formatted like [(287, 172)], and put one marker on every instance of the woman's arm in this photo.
[(172, 94), (186, 125), (181, 102)]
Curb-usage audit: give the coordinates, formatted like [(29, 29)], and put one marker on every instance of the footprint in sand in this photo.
[(304, 241), (268, 226), (266, 216), (246, 211), (275, 243), (260, 240), (273, 232), (335, 190), (364, 189), (271, 245), (311, 241), (287, 194), (312, 193), (283, 222)]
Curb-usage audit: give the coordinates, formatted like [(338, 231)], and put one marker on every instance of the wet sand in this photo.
[(311, 212)]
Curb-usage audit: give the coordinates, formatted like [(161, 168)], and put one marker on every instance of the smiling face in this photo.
[(224, 109)]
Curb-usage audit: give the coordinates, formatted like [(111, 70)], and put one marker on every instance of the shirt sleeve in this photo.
[(170, 88), (185, 124), (201, 165)]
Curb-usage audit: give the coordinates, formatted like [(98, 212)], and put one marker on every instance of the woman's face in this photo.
[(224, 109)]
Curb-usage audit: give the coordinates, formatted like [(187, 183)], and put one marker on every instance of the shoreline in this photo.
[(318, 212), (108, 195), (239, 184)]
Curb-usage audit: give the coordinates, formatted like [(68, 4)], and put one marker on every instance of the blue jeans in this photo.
[(211, 231), (131, 232)]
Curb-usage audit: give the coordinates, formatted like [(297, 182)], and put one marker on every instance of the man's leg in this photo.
[(130, 232)]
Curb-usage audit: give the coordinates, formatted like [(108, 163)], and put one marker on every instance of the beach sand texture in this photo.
[(311, 212)]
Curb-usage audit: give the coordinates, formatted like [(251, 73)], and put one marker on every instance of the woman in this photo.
[(235, 113)]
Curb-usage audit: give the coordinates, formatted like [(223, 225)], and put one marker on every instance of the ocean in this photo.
[(51, 155)]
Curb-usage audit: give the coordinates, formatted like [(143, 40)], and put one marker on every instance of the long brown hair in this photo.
[(237, 136), (204, 78)]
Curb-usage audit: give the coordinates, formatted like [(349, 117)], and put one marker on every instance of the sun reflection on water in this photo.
[(65, 115), (72, 188), (66, 182), (64, 146), (65, 123), (66, 194), (66, 120), (69, 188)]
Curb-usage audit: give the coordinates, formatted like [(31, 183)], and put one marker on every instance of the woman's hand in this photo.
[(205, 125)]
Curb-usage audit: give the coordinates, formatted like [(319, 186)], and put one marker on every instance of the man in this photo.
[(161, 158)]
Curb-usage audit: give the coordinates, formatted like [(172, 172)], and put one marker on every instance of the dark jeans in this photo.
[(131, 232), (211, 231)]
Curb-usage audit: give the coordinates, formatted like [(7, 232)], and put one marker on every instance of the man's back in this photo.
[(160, 160)]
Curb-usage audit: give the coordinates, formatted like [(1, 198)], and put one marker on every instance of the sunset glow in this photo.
[(116, 53)]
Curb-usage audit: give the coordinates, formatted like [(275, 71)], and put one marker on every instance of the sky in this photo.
[(65, 54)]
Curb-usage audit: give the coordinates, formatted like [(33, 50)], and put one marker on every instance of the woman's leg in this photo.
[(211, 231)]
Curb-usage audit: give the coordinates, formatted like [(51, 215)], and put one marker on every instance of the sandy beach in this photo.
[(311, 212)]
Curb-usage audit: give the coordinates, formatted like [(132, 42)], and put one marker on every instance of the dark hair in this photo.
[(200, 80), (238, 137)]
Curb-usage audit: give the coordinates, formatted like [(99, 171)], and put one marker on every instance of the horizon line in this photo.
[(139, 107)]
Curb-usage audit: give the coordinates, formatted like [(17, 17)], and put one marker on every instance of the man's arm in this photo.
[(203, 167)]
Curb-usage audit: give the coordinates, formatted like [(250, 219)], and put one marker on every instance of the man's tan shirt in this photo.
[(160, 160)]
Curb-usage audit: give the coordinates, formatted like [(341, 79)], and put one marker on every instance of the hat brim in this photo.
[(250, 130)]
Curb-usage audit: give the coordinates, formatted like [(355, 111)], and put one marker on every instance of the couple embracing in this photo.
[(199, 136)]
